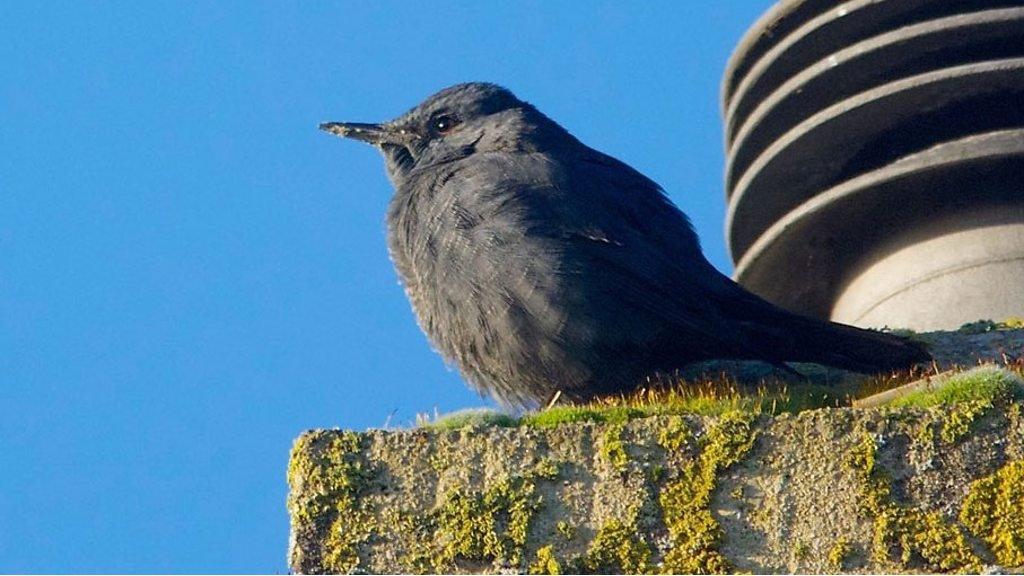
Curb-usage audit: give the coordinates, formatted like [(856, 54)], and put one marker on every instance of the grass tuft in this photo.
[(985, 384), (472, 417), (558, 415), (715, 396)]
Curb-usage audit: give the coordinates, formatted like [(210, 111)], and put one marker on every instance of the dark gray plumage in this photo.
[(537, 264)]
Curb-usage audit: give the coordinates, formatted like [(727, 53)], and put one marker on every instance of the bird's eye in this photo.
[(445, 123)]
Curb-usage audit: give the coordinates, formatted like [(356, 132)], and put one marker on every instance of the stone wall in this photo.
[(827, 490)]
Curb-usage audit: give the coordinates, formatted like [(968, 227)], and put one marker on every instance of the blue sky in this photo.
[(191, 274)]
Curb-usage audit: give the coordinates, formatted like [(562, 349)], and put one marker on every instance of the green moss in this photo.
[(326, 473), (912, 335), (617, 546), (694, 532), (474, 417), (655, 473), (983, 326), (712, 406), (675, 434), (707, 397), (838, 553), (978, 327), (904, 535), (559, 415), (545, 562), (982, 384), (994, 512), (966, 397), (612, 450)]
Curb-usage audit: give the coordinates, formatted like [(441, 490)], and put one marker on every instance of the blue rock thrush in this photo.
[(539, 265)]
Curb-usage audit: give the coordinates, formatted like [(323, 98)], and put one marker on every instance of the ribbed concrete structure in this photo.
[(875, 169)]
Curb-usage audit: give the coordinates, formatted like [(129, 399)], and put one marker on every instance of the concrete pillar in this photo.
[(875, 160)]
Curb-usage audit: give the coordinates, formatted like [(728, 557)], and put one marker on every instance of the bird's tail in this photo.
[(795, 338)]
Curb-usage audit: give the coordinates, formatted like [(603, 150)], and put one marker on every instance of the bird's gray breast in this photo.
[(484, 289)]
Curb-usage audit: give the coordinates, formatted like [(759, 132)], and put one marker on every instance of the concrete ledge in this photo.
[(831, 490), (479, 500)]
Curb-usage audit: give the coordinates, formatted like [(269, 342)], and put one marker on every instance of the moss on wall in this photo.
[(616, 547), (545, 563), (489, 526), (903, 534), (612, 450), (823, 490), (695, 534), (326, 473), (965, 397), (838, 554), (994, 512)]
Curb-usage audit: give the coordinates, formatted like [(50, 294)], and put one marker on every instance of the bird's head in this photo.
[(450, 125)]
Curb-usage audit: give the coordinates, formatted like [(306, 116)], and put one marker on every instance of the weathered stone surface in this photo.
[(821, 491), (789, 501)]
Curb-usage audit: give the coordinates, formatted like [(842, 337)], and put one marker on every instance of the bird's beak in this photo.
[(375, 134)]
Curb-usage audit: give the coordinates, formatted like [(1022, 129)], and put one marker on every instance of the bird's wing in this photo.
[(597, 249), (656, 256)]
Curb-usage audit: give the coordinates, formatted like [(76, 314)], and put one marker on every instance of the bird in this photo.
[(541, 267)]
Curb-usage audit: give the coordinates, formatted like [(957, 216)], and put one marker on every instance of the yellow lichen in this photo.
[(675, 434), (546, 468), (617, 546), (801, 550), (994, 512), (440, 460), (694, 532), (478, 526), (960, 418), (1015, 431), (565, 529), (326, 473), (612, 449), (924, 436), (838, 554), (1012, 323), (341, 548), (903, 535), (488, 526), (545, 562)]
